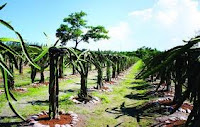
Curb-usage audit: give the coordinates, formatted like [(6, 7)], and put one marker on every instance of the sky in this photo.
[(160, 24)]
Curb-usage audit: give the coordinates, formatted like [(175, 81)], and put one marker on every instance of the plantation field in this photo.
[(59, 70), (117, 108)]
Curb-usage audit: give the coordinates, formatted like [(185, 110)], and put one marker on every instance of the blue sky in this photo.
[(132, 24)]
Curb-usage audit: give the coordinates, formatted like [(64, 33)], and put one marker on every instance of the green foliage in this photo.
[(7, 51), (108, 70), (181, 65), (95, 33), (97, 60), (73, 30), (146, 53), (8, 94), (139, 65)]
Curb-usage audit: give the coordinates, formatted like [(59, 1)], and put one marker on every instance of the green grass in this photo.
[(35, 100), (115, 99), (103, 96), (35, 109), (3, 99), (101, 121)]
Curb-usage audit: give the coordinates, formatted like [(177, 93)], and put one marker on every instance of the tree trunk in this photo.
[(118, 67), (33, 73), (83, 86), (60, 71), (90, 66), (11, 79), (99, 79), (179, 80), (162, 80), (108, 72), (121, 66), (84, 76), (21, 66), (53, 83), (42, 76), (11, 83), (104, 64), (168, 83), (73, 70), (76, 45), (114, 71), (178, 92)]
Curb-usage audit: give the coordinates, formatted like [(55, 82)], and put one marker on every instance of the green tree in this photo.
[(74, 27), (146, 53), (108, 69), (73, 30), (97, 58)]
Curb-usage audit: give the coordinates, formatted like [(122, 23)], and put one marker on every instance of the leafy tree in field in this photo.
[(74, 27), (81, 63), (114, 65), (145, 53), (43, 62), (98, 57), (19, 60)]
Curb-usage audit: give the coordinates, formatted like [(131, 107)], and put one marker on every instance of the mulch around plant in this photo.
[(186, 106), (64, 78), (73, 76), (176, 119), (176, 123), (89, 100), (42, 119), (164, 102), (109, 82), (103, 89), (63, 120), (164, 94), (35, 85), (21, 90), (1, 92)]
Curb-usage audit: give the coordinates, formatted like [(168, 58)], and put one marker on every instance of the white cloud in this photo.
[(167, 4), (119, 34), (167, 17), (146, 13), (170, 18)]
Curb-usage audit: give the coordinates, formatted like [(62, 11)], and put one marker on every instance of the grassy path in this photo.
[(116, 109)]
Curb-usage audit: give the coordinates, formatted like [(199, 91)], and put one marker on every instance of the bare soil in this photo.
[(35, 85), (64, 119)]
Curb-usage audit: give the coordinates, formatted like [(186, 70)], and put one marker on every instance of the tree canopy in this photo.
[(75, 29)]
